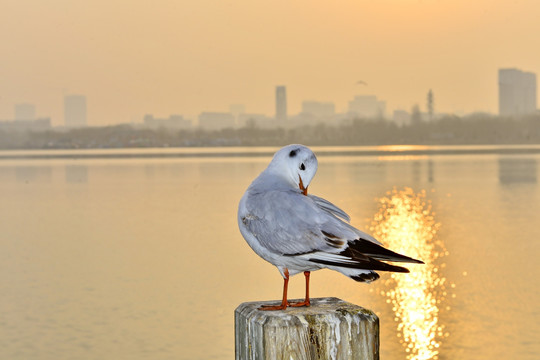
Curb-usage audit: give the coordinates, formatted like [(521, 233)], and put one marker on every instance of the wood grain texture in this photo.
[(329, 329)]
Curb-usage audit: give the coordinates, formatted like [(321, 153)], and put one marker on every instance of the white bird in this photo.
[(298, 232)]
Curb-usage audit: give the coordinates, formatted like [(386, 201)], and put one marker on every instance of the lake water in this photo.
[(139, 257)]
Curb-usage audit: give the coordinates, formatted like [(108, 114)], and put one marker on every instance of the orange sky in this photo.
[(133, 57)]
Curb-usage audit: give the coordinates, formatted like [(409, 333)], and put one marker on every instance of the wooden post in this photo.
[(329, 329)]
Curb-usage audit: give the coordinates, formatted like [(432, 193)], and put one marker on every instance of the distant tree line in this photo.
[(473, 129)]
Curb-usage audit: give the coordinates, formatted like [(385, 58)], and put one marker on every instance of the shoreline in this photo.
[(228, 152)]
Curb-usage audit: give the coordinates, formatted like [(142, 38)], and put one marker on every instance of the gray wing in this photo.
[(289, 223), (331, 208), (336, 211)]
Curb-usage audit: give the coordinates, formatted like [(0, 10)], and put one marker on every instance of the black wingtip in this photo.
[(415, 261), (379, 252), (399, 269), (365, 263)]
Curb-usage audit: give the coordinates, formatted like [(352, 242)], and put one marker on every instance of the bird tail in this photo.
[(366, 276), (360, 259)]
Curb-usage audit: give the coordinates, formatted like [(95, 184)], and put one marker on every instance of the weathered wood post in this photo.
[(329, 329)]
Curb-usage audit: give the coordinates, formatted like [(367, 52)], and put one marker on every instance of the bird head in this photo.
[(297, 164)]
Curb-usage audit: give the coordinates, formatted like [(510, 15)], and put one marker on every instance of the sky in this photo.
[(132, 57)]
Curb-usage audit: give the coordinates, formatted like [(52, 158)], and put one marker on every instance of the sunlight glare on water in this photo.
[(406, 224)]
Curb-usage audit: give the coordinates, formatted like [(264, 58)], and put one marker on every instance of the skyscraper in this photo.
[(517, 92), (75, 111), (281, 104)]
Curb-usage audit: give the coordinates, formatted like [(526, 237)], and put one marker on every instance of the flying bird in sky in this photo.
[(299, 232)]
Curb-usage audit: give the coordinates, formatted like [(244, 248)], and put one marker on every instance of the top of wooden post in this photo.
[(329, 329)]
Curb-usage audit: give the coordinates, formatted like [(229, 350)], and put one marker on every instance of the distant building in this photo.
[(25, 111), (401, 117), (258, 120), (216, 120), (302, 119), (430, 105), (321, 110), (281, 104), (517, 92), (41, 124), (236, 110), (367, 106), (173, 122), (75, 111)]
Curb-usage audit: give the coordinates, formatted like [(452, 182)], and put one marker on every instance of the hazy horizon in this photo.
[(131, 58)]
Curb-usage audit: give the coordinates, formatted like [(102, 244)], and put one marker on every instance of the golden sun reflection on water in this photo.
[(405, 223)]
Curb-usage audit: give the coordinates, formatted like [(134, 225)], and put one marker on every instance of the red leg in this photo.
[(306, 302), (284, 303)]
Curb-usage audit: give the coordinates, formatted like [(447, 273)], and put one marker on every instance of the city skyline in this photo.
[(133, 58), (365, 106), (517, 97)]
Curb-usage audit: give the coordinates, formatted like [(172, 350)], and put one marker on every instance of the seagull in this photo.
[(299, 232)]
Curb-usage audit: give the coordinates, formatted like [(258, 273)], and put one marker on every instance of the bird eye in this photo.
[(302, 167)]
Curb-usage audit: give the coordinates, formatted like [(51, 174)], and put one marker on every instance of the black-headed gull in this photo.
[(298, 232)]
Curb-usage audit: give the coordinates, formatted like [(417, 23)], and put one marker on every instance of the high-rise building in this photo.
[(281, 104), (25, 111), (517, 92), (75, 111)]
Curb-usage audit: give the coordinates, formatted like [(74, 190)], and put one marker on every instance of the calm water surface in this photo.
[(142, 258)]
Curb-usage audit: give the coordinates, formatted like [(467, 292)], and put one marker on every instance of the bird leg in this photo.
[(284, 303), (306, 302)]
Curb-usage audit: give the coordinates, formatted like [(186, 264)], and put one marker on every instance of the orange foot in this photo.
[(299, 303), (273, 308)]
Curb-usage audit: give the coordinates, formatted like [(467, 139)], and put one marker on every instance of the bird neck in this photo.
[(270, 179)]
